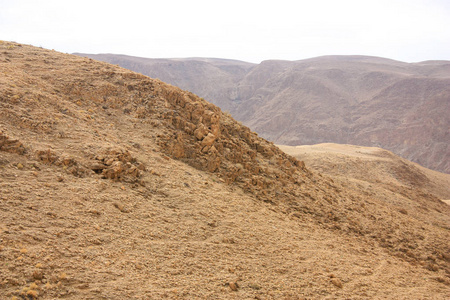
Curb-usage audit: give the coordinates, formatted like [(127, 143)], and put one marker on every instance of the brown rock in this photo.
[(190, 128), (46, 156), (213, 163), (38, 275), (11, 146), (200, 132), (197, 112), (209, 140), (233, 286), (206, 149), (120, 207), (113, 172), (177, 148), (215, 129), (337, 282)]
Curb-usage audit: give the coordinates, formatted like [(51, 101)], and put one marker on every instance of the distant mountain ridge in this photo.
[(361, 100)]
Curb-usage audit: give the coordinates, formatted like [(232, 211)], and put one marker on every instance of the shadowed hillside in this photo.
[(117, 186), (359, 100)]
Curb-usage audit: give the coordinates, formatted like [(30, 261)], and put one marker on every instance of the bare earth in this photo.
[(118, 186)]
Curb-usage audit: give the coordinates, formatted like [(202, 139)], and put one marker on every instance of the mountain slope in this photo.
[(359, 100), (116, 185)]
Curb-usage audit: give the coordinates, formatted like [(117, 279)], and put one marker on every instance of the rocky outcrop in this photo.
[(209, 140), (10, 145), (117, 164)]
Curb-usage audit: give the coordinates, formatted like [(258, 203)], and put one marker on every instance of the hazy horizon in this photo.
[(232, 59), (252, 31)]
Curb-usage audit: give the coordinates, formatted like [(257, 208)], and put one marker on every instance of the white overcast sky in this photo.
[(406, 30)]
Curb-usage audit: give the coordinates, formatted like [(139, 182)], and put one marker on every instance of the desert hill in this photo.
[(379, 170), (118, 186), (360, 100)]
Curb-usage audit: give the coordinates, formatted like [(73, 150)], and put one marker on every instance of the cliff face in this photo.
[(116, 185), (357, 100)]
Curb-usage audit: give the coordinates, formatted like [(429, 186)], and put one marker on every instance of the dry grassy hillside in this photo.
[(118, 186), (360, 100), (380, 171)]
